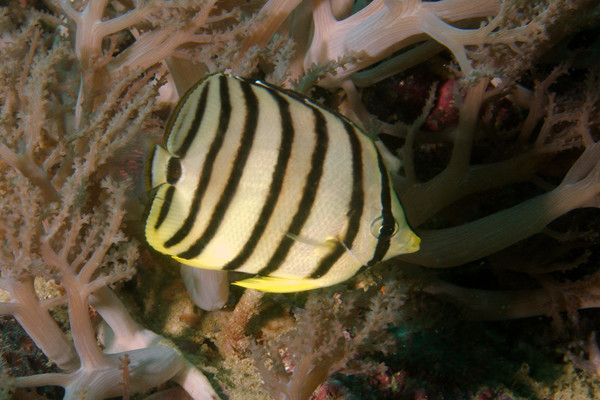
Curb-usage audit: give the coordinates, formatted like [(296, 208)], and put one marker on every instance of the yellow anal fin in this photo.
[(195, 263), (278, 285)]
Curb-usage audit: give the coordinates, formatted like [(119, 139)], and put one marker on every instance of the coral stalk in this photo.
[(455, 246), (40, 326)]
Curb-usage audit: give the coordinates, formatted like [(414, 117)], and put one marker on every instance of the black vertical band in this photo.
[(383, 241), (164, 208), (235, 176), (355, 206), (309, 193), (193, 130), (207, 167), (285, 149)]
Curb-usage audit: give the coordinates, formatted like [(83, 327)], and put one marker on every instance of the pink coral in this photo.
[(329, 337)]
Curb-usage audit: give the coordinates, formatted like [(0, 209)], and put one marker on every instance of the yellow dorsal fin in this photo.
[(278, 285)]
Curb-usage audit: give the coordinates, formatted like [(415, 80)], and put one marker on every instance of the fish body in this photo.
[(263, 181)]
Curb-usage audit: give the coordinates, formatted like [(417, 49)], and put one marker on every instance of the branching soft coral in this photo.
[(160, 29), (61, 220), (389, 28), (81, 86), (329, 337), (66, 114), (458, 245), (566, 126)]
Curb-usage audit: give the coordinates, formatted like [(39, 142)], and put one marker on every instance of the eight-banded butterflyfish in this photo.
[(264, 181)]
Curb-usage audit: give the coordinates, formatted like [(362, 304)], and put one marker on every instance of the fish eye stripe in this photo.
[(207, 168), (194, 127), (277, 177), (164, 208), (173, 170), (249, 132), (383, 242), (309, 193), (355, 206)]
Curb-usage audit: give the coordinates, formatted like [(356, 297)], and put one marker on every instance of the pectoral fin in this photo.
[(322, 248)]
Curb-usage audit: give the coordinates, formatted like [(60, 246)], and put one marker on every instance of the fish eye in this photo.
[(379, 228)]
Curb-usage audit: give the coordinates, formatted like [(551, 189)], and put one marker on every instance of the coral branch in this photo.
[(195, 383), (454, 246), (271, 16), (42, 328), (31, 171), (397, 27)]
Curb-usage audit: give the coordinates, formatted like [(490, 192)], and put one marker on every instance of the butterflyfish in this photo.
[(261, 180)]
